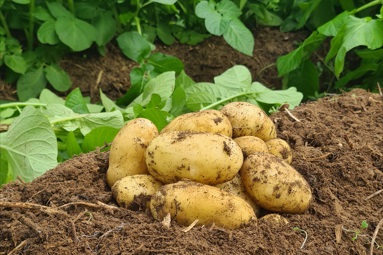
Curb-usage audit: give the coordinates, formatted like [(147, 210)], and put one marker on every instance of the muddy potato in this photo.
[(187, 201), (236, 187), (134, 191), (127, 153), (208, 158), (249, 120), (281, 149), (251, 144), (212, 121), (274, 184), (275, 219)]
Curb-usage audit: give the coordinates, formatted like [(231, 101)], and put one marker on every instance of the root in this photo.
[(31, 206), (374, 194), (23, 243), (374, 236)]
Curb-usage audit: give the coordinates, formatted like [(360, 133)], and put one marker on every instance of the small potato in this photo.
[(274, 184), (127, 153), (281, 149), (212, 121), (274, 219), (208, 158), (187, 201), (249, 120), (134, 192), (236, 187), (251, 144)]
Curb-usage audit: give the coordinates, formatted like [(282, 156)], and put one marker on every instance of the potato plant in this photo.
[(205, 177)]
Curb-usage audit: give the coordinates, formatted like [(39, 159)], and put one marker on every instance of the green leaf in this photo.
[(75, 33), (42, 14), (236, 78), (158, 117), (58, 78), (16, 62), (48, 97), (204, 9), (21, 1), (164, 32), (72, 146), (332, 27), (106, 28), (239, 37), (47, 33), (30, 145), (98, 137), (215, 22), (164, 63), (58, 10), (167, 2), (31, 84), (228, 9), (108, 104), (134, 46), (75, 101), (263, 16)]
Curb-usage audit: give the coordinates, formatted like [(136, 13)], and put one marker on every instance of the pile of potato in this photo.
[(207, 167)]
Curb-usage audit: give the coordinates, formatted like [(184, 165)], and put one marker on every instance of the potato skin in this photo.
[(274, 219), (251, 144), (249, 120), (187, 201), (134, 191), (208, 158), (235, 186), (274, 184), (281, 149), (127, 153), (212, 121)]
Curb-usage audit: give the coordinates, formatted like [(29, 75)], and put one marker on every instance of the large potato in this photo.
[(251, 144), (212, 121), (187, 201), (127, 153), (281, 149), (235, 186), (274, 184), (134, 191), (208, 158), (249, 120)]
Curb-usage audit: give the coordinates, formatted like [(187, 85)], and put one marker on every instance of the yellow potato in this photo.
[(208, 158), (127, 153), (236, 187), (251, 144), (187, 201), (274, 184), (281, 149), (275, 219), (134, 191), (249, 120), (212, 121)]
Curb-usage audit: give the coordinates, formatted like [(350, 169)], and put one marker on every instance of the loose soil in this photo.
[(338, 149)]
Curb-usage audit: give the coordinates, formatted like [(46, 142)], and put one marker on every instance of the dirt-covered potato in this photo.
[(249, 120), (274, 184), (127, 153), (275, 219), (236, 187), (212, 121), (134, 191), (187, 201), (251, 144), (208, 158), (281, 149)]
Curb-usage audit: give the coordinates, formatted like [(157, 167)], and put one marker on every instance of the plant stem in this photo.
[(17, 104), (30, 32), (71, 6), (5, 25), (226, 99), (368, 5)]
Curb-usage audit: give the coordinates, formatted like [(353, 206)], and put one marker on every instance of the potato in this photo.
[(208, 158), (251, 144), (204, 121), (187, 201), (275, 219), (249, 120), (134, 191), (236, 187), (127, 153), (281, 149), (274, 184)]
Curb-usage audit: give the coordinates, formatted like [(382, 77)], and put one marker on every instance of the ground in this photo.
[(337, 143)]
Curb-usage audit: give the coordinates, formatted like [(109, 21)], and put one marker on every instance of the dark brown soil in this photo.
[(338, 148)]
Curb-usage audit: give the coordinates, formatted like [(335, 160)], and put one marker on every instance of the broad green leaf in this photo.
[(58, 78), (47, 33), (264, 16), (98, 137), (164, 63), (21, 1), (167, 2), (72, 146), (106, 28), (204, 9), (332, 27), (16, 62), (58, 10), (197, 101), (30, 145), (7, 112), (92, 121), (239, 37), (228, 9), (31, 84), (5, 175), (237, 78), (158, 117), (48, 97), (216, 24), (108, 104), (164, 32), (134, 46), (136, 77), (75, 33), (42, 14), (278, 97), (75, 101), (213, 89)]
